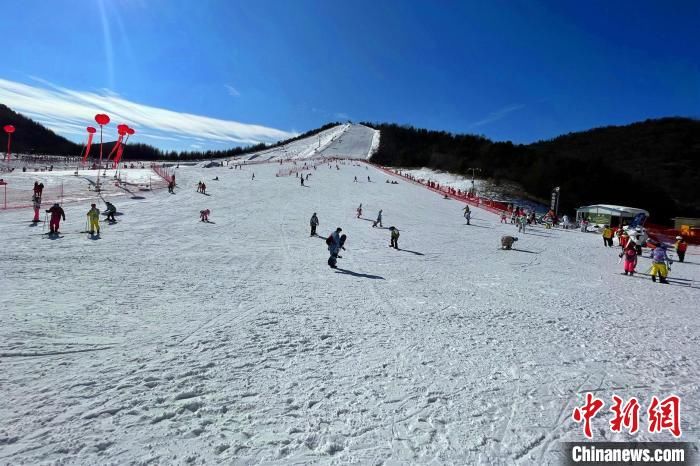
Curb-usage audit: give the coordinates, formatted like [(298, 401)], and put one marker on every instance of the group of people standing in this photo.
[(632, 248)]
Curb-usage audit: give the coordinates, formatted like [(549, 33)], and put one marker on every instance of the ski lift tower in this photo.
[(473, 189)]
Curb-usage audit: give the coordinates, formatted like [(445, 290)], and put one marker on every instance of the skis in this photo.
[(669, 281)]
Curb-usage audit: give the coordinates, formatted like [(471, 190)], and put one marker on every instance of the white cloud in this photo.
[(68, 112), (497, 115), (232, 90)]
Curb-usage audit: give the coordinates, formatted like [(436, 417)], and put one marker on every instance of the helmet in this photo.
[(338, 229), (92, 205)]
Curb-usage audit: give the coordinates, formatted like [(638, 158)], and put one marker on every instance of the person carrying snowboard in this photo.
[(379, 220), (36, 203), (334, 247), (394, 238), (93, 216), (467, 214), (660, 263), (56, 214), (629, 257), (111, 210), (681, 248), (314, 223), (507, 242)]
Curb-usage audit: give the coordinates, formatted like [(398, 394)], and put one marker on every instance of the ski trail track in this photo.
[(233, 342)]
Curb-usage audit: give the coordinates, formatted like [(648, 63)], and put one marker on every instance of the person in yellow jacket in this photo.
[(607, 236), (93, 216)]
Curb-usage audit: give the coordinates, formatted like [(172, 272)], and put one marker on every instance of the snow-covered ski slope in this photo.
[(171, 341), (347, 141)]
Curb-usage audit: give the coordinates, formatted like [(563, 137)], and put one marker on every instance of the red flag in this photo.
[(87, 147)]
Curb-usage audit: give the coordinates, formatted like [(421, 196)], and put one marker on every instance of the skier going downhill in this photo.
[(93, 216), (57, 214), (314, 223), (379, 220), (394, 238), (359, 211), (335, 243), (467, 214)]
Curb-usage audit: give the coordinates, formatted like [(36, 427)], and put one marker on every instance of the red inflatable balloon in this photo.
[(91, 130), (122, 132), (102, 119), (130, 131), (9, 129), (122, 127)]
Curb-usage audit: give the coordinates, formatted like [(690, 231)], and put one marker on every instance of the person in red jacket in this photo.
[(681, 248), (56, 214)]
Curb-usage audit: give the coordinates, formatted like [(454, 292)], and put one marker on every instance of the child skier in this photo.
[(93, 216), (681, 248), (507, 242), (629, 255), (204, 215), (36, 203), (56, 214), (394, 238), (660, 263), (314, 223), (111, 210), (503, 217)]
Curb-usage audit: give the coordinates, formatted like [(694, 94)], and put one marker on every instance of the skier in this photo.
[(379, 219), (359, 211), (253, 177), (314, 223), (36, 203), (355, 180), (394, 238), (507, 242), (629, 254), (681, 248), (204, 215), (522, 221), (503, 217), (56, 214), (334, 246), (204, 188), (93, 216), (467, 214), (607, 236), (368, 180), (660, 263), (199, 187), (171, 187), (111, 210), (302, 181)]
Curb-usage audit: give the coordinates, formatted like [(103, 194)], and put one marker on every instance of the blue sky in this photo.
[(215, 74)]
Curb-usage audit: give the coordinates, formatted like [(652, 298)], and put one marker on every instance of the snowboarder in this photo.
[(681, 248), (36, 203), (334, 247), (314, 223), (467, 214), (93, 216), (507, 242), (660, 263), (379, 220), (204, 215), (111, 210), (607, 236), (56, 214), (394, 238), (629, 255)]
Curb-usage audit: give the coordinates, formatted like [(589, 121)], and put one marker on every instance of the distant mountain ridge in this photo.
[(653, 164)]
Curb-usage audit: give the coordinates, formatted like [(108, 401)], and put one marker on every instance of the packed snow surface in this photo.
[(169, 340)]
